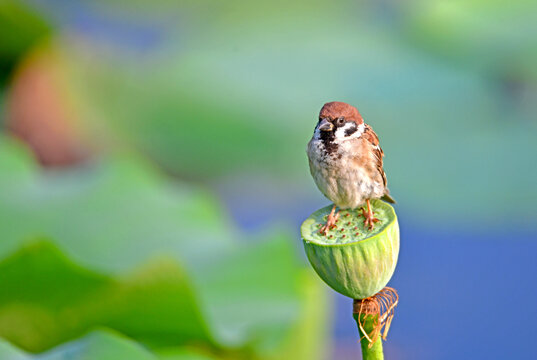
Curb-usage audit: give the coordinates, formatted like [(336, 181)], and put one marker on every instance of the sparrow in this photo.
[(345, 161)]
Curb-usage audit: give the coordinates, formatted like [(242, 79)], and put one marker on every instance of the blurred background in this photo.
[(153, 175)]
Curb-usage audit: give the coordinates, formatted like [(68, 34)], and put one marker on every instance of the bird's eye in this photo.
[(340, 121)]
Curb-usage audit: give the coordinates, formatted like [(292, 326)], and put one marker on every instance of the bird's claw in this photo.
[(370, 218), (330, 223)]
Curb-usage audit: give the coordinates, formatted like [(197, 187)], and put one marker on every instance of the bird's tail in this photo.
[(387, 197)]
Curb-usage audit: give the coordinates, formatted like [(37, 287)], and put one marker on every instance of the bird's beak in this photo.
[(326, 125)]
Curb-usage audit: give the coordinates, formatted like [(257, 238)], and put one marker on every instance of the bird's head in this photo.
[(339, 120)]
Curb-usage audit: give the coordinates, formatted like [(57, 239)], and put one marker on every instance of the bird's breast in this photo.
[(345, 176)]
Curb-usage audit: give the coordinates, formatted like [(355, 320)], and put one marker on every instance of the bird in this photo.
[(346, 162)]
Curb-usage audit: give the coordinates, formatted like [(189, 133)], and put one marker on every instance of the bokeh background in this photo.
[(153, 175)]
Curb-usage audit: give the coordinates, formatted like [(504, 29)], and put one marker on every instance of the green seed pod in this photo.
[(351, 259)]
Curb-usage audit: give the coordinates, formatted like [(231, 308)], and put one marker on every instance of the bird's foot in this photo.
[(369, 217), (330, 222)]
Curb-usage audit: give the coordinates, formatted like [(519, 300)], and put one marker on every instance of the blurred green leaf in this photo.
[(49, 300), (21, 28), (303, 342), (103, 344), (166, 267), (10, 352), (495, 36), (16, 161), (122, 205), (184, 353)]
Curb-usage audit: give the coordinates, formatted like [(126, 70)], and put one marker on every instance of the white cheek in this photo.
[(359, 132), (340, 132)]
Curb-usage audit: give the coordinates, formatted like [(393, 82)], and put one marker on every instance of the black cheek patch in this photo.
[(327, 137), (351, 130)]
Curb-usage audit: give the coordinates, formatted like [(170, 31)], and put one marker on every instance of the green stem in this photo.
[(375, 351)]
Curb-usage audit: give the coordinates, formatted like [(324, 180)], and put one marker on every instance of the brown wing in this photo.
[(373, 139)]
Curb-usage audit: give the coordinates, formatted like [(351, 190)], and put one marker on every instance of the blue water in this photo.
[(462, 295)]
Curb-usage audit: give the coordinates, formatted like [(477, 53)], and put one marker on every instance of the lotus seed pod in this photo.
[(351, 259)]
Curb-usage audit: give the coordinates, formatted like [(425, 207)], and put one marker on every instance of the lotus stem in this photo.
[(371, 347), (373, 316)]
